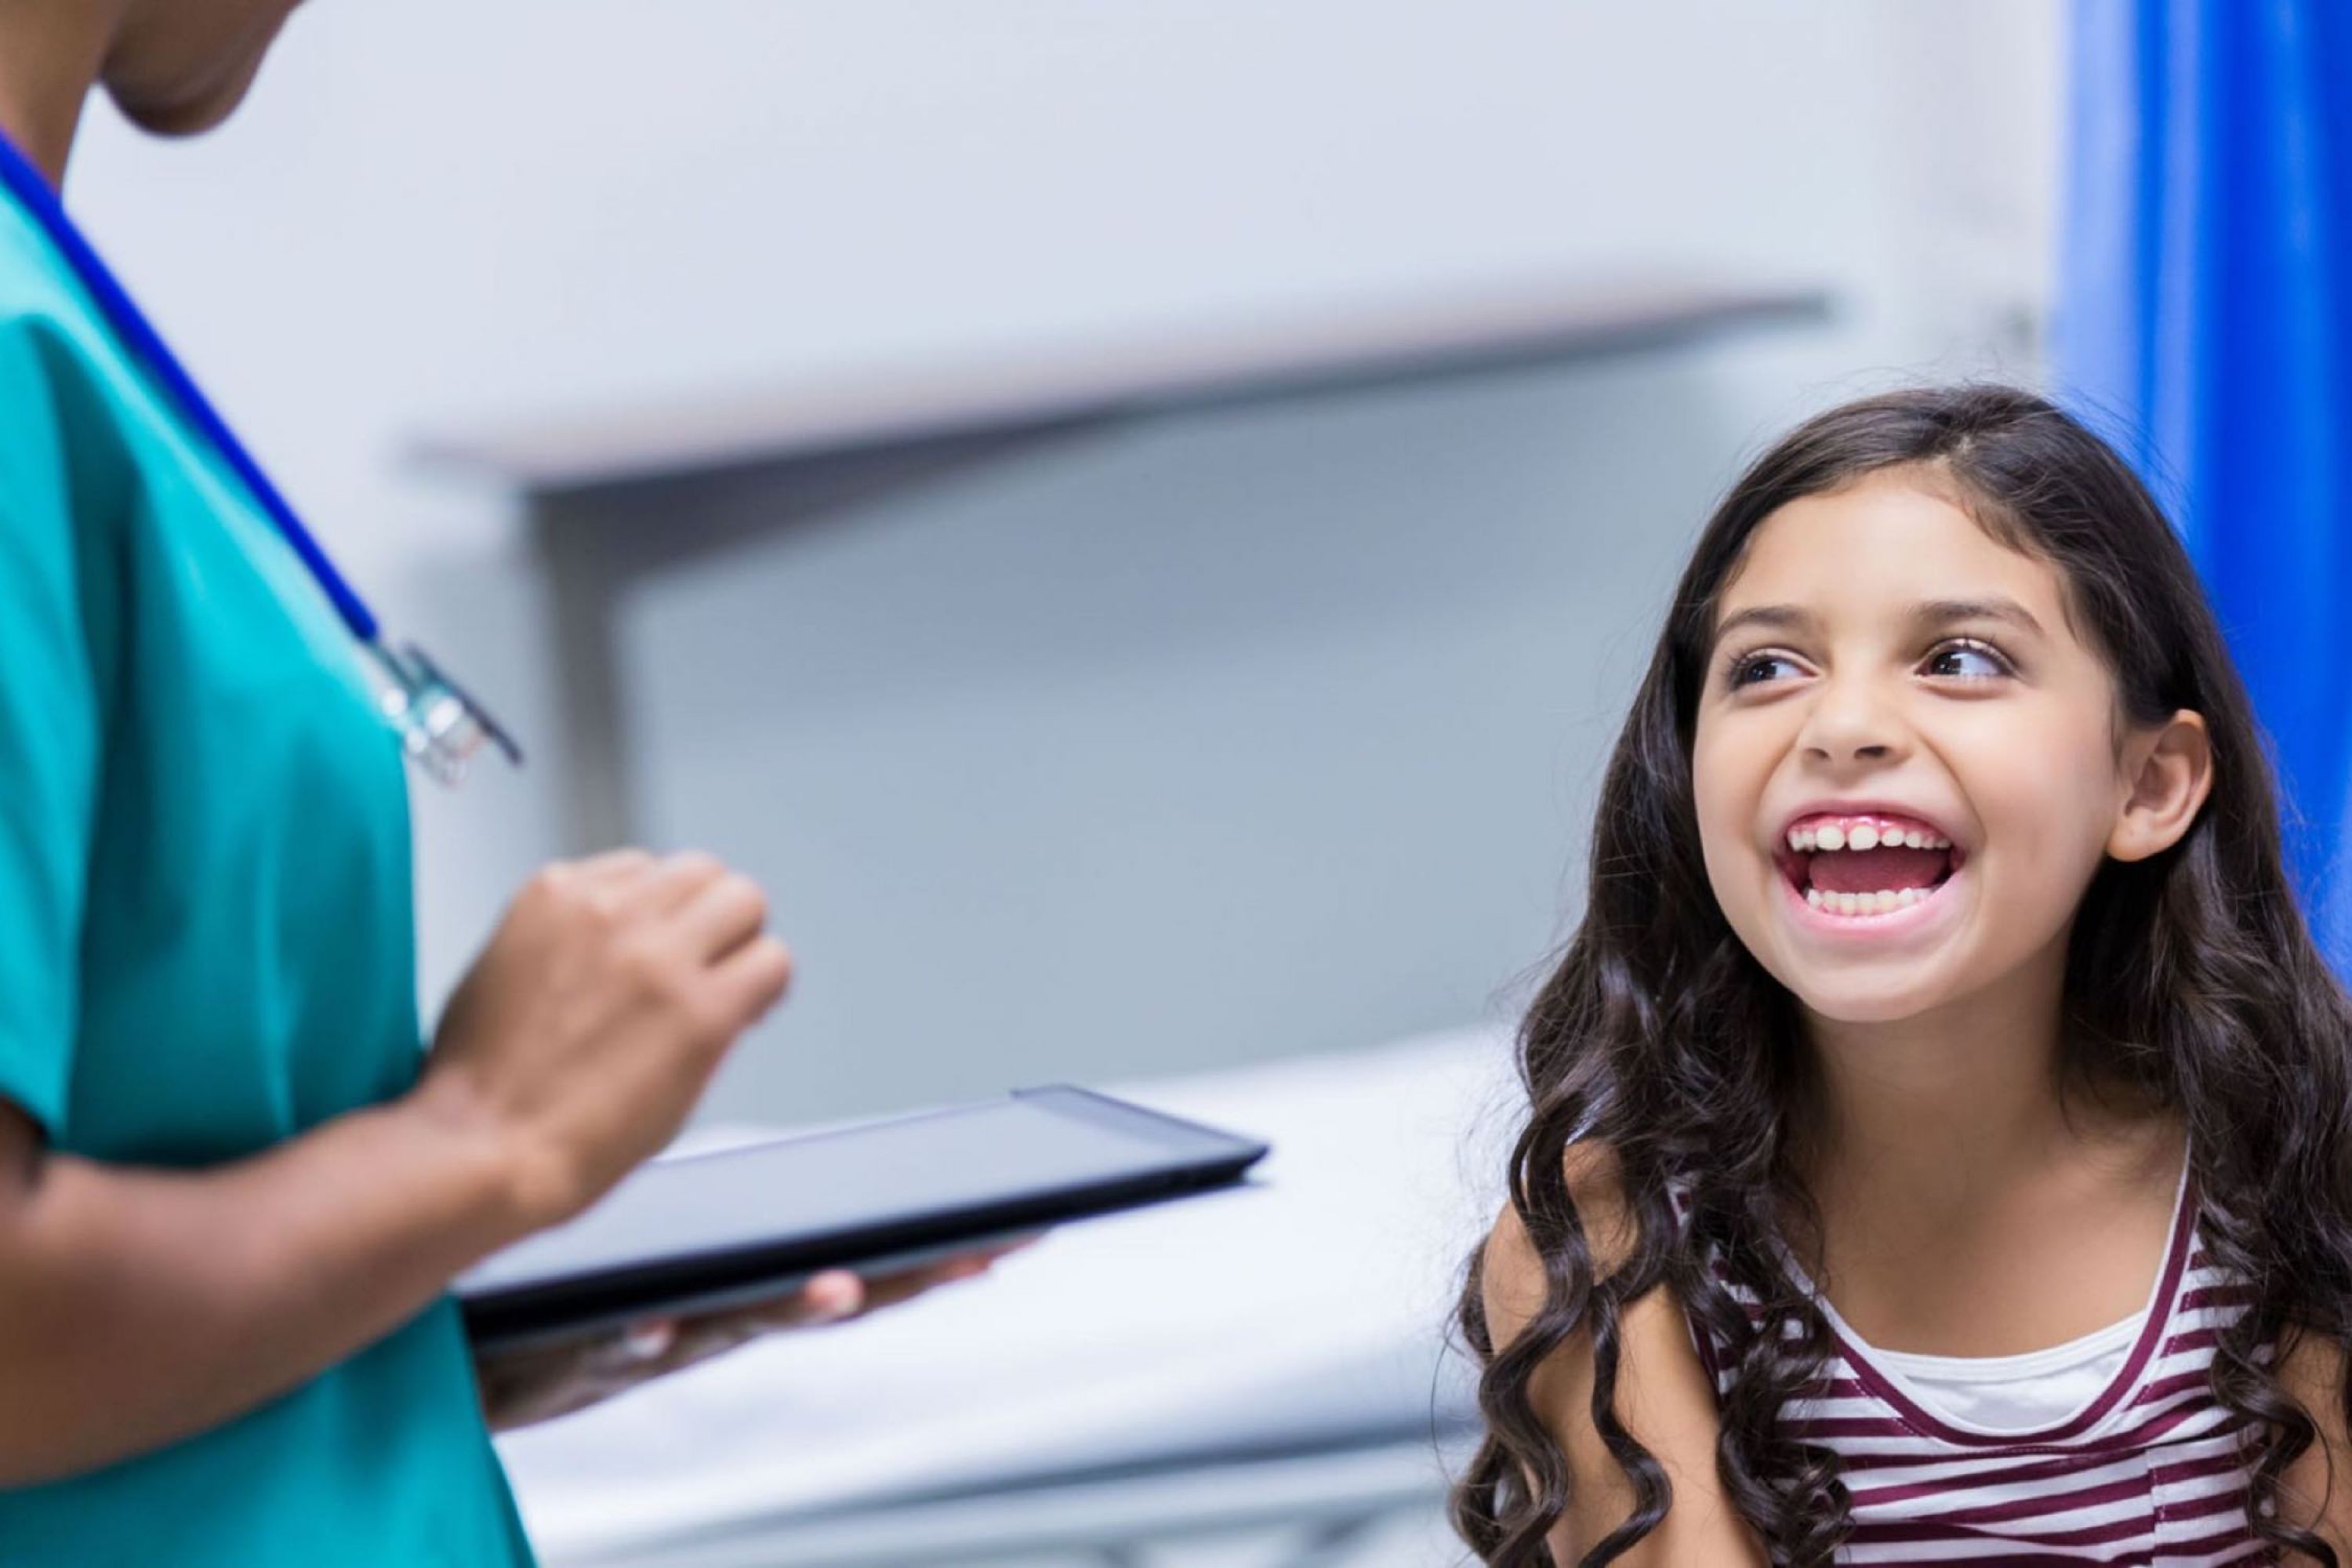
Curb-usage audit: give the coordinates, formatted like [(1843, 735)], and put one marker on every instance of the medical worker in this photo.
[(234, 1184)]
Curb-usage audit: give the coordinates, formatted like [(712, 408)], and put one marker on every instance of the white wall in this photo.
[(436, 211)]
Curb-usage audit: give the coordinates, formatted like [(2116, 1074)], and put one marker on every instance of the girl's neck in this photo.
[(1939, 1109)]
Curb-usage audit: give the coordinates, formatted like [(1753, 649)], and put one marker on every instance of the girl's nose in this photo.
[(1853, 722)]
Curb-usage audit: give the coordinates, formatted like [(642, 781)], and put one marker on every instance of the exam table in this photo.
[(1275, 1360)]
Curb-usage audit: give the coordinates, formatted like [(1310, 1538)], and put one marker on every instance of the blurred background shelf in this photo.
[(1348, 344), (620, 494)]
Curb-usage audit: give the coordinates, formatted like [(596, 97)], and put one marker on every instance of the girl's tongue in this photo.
[(1886, 869)]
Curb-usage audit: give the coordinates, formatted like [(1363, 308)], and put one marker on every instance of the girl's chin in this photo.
[(1859, 1006)]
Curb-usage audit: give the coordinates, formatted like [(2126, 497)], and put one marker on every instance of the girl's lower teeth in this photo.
[(1879, 903)]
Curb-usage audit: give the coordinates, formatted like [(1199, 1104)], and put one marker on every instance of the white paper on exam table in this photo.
[(1312, 1306)]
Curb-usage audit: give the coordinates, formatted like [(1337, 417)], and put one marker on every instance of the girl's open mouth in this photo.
[(1861, 892)]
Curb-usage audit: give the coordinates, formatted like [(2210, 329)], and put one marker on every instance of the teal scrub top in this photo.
[(206, 938)]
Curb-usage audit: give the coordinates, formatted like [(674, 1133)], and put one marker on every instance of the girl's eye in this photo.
[(1969, 648), (1744, 664), (1961, 660)]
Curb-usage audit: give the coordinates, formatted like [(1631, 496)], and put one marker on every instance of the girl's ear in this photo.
[(2170, 771)]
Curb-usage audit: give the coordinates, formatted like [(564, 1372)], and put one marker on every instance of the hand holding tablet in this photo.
[(532, 1382), (700, 1233)]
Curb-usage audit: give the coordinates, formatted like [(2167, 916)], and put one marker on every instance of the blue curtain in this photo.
[(2204, 323)]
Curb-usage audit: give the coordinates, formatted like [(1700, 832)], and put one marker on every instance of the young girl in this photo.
[(1940, 1144)]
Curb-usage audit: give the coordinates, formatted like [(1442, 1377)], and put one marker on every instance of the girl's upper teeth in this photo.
[(1863, 832)]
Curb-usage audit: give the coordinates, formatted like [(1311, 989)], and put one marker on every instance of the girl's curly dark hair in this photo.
[(2190, 977)]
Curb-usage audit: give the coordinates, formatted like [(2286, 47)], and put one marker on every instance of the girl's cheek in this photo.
[(2039, 802)]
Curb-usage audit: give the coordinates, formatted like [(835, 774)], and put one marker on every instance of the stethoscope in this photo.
[(440, 724)]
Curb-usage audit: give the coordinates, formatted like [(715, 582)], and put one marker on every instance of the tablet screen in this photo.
[(852, 1180)]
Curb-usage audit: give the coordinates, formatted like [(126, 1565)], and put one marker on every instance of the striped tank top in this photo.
[(2147, 1471)]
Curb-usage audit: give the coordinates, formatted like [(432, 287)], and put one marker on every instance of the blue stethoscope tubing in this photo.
[(430, 708)]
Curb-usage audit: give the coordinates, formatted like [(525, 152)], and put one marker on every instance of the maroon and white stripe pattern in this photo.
[(2149, 1472)]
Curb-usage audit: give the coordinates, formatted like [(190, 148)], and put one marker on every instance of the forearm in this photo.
[(138, 1307)]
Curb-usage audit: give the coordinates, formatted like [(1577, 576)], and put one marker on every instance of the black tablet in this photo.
[(739, 1224)]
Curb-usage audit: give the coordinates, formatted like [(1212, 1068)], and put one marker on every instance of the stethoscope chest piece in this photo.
[(441, 725)]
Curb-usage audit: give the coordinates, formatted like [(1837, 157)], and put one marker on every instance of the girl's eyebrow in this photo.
[(1925, 614), (1779, 617), (1995, 607)]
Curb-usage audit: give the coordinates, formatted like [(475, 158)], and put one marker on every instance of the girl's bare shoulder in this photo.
[(1663, 1397), (1512, 1272)]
